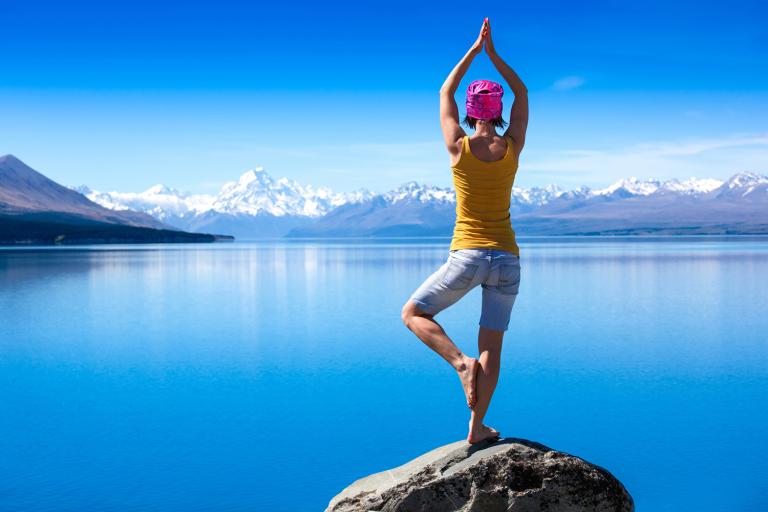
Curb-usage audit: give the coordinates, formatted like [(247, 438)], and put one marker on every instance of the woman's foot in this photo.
[(481, 434), (493, 430), (468, 376)]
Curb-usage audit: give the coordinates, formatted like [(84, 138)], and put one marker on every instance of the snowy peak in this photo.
[(412, 190), (357, 196), (255, 178), (745, 180), (536, 195), (630, 187), (692, 186), (744, 184), (162, 190), (256, 192)]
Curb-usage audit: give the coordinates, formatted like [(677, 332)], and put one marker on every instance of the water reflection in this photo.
[(156, 377)]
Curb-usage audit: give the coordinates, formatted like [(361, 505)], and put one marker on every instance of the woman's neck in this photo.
[(485, 131)]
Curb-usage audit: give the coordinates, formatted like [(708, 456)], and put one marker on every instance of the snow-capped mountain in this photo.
[(537, 195), (692, 186), (254, 193), (257, 193), (413, 191), (745, 185), (630, 187), (163, 203), (636, 187), (257, 205)]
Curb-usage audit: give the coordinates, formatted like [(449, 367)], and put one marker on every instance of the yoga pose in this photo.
[(483, 249)]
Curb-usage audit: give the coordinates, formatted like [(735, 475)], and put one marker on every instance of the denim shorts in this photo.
[(497, 271)]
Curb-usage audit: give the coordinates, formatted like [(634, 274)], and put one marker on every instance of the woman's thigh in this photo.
[(457, 276)]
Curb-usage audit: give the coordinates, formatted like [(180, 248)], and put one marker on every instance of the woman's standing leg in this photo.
[(489, 343), (499, 295)]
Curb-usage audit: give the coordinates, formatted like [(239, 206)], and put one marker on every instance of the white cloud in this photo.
[(704, 157), (567, 83), (383, 165)]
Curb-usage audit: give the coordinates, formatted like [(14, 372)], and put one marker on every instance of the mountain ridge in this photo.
[(36, 210), (257, 205), (242, 197), (24, 190)]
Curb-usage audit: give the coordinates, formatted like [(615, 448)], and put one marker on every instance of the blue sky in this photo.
[(121, 96)]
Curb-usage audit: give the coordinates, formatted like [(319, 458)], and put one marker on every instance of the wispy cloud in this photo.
[(568, 82), (702, 157), (385, 165)]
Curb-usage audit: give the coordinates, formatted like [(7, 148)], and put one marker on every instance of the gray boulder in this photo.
[(507, 475)]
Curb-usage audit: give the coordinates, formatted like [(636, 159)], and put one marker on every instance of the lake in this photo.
[(270, 375)]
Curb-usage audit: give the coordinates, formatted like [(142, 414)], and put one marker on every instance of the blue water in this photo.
[(268, 376)]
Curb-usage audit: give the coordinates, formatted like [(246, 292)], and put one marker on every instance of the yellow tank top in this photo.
[(483, 191)]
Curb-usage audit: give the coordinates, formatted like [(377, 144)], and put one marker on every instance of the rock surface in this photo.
[(509, 474)]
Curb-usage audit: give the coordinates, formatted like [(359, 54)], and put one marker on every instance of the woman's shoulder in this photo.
[(456, 150)]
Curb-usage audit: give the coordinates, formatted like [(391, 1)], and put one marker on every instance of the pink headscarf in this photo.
[(485, 105)]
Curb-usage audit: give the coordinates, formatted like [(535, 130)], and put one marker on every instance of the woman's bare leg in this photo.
[(426, 328), (489, 346)]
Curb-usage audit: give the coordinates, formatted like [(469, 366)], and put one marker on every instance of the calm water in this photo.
[(269, 376)]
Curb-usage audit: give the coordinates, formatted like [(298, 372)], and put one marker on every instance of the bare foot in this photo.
[(481, 434), (468, 378), (493, 430)]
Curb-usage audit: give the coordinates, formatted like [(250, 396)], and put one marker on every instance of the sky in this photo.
[(125, 95)]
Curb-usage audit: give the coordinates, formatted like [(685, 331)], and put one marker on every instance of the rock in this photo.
[(508, 475)]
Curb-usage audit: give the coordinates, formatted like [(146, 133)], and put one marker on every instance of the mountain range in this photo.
[(257, 206), (36, 210)]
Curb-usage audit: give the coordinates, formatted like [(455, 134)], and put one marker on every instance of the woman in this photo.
[(483, 249)]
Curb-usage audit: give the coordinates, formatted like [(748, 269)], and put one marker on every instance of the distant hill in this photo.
[(258, 206), (737, 206), (24, 190), (36, 210)]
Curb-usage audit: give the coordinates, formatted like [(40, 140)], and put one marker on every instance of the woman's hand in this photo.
[(457, 73), (478, 46), (489, 49)]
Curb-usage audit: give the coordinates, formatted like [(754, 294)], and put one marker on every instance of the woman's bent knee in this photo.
[(408, 311), (411, 310)]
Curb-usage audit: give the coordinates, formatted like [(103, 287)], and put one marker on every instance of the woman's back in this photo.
[(483, 191)]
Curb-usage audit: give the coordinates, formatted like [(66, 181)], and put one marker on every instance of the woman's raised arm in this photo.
[(449, 111), (518, 119)]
